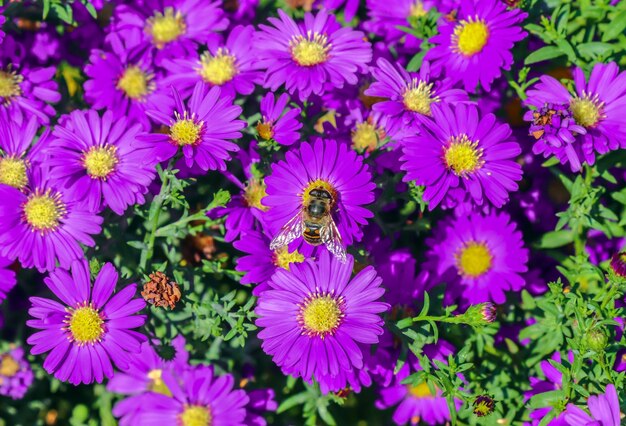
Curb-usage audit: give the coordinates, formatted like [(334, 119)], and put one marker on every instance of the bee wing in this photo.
[(289, 232), (330, 236)]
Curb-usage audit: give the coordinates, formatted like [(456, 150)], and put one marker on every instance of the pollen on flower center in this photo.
[(462, 156), (195, 415), (100, 161), (473, 259), (418, 10), (9, 85), (13, 172), (588, 110), (283, 258), (165, 27), (156, 383), (185, 130), (309, 51), (365, 137), (85, 324), (321, 314), (470, 37), (8, 366), (318, 184), (218, 69), (265, 130), (418, 96), (135, 83), (43, 211), (255, 192), (420, 391)]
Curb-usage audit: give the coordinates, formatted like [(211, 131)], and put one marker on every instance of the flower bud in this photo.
[(483, 405), (596, 340), (618, 264)]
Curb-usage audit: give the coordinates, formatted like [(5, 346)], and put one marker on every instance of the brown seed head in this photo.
[(161, 291)]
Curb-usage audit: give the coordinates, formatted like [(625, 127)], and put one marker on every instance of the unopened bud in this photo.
[(483, 405), (596, 340), (618, 264)]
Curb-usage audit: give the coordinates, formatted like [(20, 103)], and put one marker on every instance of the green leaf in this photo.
[(546, 399), (292, 401), (416, 62), (543, 54), (595, 48), (616, 27), (556, 239)]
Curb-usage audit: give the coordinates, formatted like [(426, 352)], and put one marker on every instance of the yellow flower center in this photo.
[(9, 85), (365, 137), (8, 366), (43, 211), (218, 69), (100, 161), (13, 172), (588, 110), (135, 83), (470, 37), (265, 130), (85, 324), (185, 130), (462, 156), (309, 51), (418, 10), (317, 184), (421, 391), (418, 97), (157, 384), (165, 27), (474, 259), (283, 258), (254, 193), (195, 415), (320, 314)]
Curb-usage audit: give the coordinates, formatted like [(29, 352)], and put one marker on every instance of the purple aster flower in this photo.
[(476, 46), (479, 257), (7, 277), (278, 122), (231, 65), (460, 149), (314, 315), (98, 160), (244, 212), (162, 29), (44, 224), (124, 86), (16, 375), (351, 7), (240, 11), (25, 91), (201, 127), (598, 106), (198, 398), (397, 269), (325, 166), (2, 21), (604, 410), (417, 403), (309, 56), (261, 401), (90, 329), (408, 96), (618, 264)]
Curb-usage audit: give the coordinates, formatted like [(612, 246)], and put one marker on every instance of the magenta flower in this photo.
[(553, 381), (314, 316), (16, 376), (278, 122), (44, 225), (90, 329), (476, 46), (308, 56), (478, 257), (7, 277), (231, 65), (202, 127), (598, 106), (604, 410), (460, 149)]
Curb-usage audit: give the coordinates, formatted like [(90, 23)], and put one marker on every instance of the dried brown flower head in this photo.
[(161, 291)]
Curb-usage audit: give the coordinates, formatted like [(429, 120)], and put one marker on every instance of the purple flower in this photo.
[(90, 329), (314, 316), (7, 277), (25, 91), (16, 375), (476, 46), (326, 165), (351, 7), (312, 55), (478, 257), (44, 225), (97, 160), (408, 96), (198, 398), (261, 401), (202, 127), (604, 410), (460, 149), (553, 381), (124, 86), (231, 65), (159, 29), (618, 264), (598, 106), (277, 121)]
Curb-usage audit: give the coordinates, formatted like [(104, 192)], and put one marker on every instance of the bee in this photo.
[(314, 222)]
